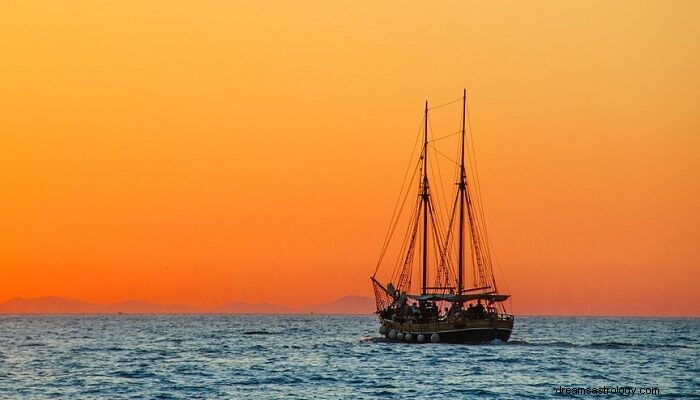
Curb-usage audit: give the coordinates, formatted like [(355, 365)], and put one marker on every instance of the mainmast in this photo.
[(462, 190), (424, 196)]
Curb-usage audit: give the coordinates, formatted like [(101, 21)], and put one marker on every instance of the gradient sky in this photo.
[(213, 151)]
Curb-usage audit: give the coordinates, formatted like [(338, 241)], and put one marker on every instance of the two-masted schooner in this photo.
[(456, 299)]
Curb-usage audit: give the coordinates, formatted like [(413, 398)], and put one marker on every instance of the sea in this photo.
[(340, 357)]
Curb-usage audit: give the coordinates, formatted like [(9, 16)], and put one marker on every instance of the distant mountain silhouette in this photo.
[(48, 305), (59, 305)]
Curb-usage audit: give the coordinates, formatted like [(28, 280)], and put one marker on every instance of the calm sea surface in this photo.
[(330, 357)]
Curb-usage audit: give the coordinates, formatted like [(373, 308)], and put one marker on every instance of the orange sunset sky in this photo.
[(213, 151)]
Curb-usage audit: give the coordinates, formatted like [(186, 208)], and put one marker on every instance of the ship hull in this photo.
[(459, 332)]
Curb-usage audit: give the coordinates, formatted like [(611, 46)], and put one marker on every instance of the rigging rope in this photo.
[(481, 210), (445, 104), (447, 157), (444, 137), (391, 229), (406, 243)]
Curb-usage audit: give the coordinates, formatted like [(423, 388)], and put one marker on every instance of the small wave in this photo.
[(374, 339), (494, 342), (322, 378), (134, 374), (97, 349), (211, 350), (621, 345), (599, 345), (192, 370), (260, 333), (33, 344), (324, 346), (543, 344), (384, 385)]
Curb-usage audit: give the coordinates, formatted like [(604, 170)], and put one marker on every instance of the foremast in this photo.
[(462, 197)]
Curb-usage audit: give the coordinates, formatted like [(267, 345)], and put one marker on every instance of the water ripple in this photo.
[(329, 357)]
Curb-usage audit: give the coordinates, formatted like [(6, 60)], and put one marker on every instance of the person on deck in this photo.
[(470, 311), (415, 311), (479, 309), (434, 311), (455, 310)]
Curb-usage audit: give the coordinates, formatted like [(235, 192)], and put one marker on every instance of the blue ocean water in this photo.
[(332, 357)]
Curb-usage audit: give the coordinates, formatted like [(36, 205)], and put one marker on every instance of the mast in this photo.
[(424, 196), (462, 189)]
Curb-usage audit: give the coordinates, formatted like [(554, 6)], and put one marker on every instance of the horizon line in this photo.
[(307, 313), (184, 309)]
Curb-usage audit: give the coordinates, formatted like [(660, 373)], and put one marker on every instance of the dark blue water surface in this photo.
[(330, 357)]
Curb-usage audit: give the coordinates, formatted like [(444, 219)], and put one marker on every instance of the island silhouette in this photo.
[(350, 304)]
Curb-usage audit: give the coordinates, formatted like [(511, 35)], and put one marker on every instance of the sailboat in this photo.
[(455, 299)]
